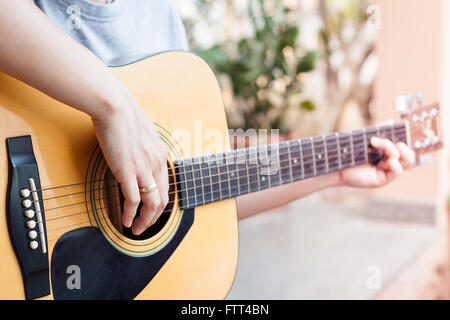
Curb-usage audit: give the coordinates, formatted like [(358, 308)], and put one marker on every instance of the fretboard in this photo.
[(213, 178)]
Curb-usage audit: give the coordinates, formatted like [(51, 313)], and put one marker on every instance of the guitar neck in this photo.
[(213, 178)]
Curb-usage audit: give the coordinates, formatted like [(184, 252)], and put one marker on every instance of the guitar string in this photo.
[(392, 129), (217, 167), (208, 185), (230, 195), (237, 171)]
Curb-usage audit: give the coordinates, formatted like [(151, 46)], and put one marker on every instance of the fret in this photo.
[(359, 153), (263, 161), (198, 182), (242, 172), (191, 195), (285, 163), (274, 165), (247, 159), (345, 150), (332, 151), (223, 178), (338, 151), (319, 156), (313, 157), (295, 160), (327, 164), (233, 175), (391, 127), (180, 172), (300, 147), (214, 175), (366, 146), (291, 176), (352, 148), (308, 158), (206, 180), (252, 168), (258, 173)]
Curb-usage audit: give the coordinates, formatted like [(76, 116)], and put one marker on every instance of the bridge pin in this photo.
[(29, 214), (25, 193), (31, 224), (33, 245), (32, 234), (26, 203)]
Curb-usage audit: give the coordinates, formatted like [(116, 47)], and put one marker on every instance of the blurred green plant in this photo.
[(264, 70), (347, 46)]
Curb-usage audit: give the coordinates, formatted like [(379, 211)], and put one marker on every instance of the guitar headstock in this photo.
[(424, 124)]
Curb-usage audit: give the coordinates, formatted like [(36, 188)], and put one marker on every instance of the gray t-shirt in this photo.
[(121, 32)]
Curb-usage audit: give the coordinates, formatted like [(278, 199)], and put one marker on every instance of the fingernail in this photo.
[(375, 140), (137, 231), (127, 223)]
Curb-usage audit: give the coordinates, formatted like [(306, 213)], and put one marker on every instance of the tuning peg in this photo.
[(410, 101), (401, 104), (420, 98)]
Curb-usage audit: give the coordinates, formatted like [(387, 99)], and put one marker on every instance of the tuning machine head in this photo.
[(401, 104), (424, 125), (420, 99), (405, 104)]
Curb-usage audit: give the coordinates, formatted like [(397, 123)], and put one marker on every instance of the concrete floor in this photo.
[(313, 249)]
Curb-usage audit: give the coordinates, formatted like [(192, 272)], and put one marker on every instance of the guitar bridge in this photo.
[(26, 219)]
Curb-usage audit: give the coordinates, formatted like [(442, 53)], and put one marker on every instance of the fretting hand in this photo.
[(398, 157)]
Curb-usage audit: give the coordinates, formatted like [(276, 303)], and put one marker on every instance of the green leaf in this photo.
[(217, 58), (289, 36), (308, 105), (308, 62)]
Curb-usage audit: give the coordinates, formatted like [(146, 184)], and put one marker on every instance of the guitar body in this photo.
[(192, 256)]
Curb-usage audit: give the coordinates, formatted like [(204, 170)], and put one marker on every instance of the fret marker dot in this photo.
[(345, 150), (295, 161), (263, 178), (232, 174), (319, 156)]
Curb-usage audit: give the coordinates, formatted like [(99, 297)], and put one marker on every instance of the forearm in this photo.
[(36, 51), (258, 202)]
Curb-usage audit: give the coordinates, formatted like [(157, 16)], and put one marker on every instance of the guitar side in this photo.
[(178, 90)]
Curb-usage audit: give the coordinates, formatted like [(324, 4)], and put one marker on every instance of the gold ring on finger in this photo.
[(148, 189)]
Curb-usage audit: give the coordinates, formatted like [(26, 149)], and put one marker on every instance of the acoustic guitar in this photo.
[(60, 232)]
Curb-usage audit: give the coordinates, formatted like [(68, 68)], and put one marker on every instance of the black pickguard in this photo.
[(106, 273)]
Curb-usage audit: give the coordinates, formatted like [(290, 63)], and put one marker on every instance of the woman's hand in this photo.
[(397, 159), (137, 158)]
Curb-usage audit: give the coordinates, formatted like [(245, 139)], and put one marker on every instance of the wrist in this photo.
[(110, 100), (109, 107), (335, 179)]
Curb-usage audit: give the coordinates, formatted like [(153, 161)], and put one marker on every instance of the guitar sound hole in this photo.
[(114, 199)]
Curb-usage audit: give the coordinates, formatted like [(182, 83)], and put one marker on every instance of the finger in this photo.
[(386, 146), (130, 192), (407, 156), (162, 179), (151, 202), (395, 169)]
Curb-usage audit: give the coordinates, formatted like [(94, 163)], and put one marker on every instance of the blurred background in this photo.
[(310, 67)]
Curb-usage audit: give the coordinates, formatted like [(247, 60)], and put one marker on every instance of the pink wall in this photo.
[(410, 50)]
